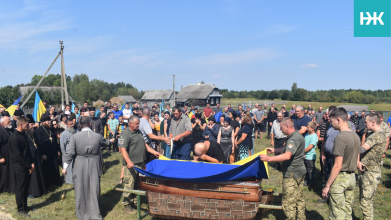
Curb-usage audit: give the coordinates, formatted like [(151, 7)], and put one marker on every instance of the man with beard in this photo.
[(37, 186), (23, 164), (96, 124), (7, 176), (65, 137), (47, 141)]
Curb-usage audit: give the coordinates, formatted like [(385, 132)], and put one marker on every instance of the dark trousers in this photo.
[(269, 128), (320, 157), (182, 151), (278, 143), (310, 176), (22, 180), (115, 144), (328, 165)]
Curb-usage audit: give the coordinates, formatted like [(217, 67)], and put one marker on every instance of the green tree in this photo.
[(286, 95), (273, 95)]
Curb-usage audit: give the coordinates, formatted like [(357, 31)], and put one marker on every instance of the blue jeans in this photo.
[(167, 151), (182, 151), (328, 165)]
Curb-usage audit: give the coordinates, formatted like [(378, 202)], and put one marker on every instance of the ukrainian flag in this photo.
[(12, 108), (39, 108)]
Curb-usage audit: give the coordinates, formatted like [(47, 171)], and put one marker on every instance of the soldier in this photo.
[(133, 147), (293, 170), (370, 166), (342, 180), (384, 127)]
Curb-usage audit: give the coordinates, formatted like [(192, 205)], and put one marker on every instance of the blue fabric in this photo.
[(389, 120), (300, 122), (167, 151), (188, 171), (117, 114)]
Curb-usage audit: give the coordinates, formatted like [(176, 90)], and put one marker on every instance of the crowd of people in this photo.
[(32, 152)]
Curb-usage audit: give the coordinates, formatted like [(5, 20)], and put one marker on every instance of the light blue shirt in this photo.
[(311, 139)]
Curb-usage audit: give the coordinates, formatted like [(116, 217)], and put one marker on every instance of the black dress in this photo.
[(197, 133), (49, 148), (37, 186), (7, 174)]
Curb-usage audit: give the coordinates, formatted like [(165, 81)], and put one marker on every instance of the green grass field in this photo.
[(50, 206), (315, 105)]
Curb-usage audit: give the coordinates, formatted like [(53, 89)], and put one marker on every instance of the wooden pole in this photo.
[(174, 89), (44, 75), (63, 73)]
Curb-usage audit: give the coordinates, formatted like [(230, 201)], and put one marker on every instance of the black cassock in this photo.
[(37, 186), (7, 175), (50, 148)]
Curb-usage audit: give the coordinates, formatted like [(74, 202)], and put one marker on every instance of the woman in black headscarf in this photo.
[(198, 125)]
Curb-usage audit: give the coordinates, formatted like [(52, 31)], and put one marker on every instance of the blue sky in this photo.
[(237, 45)]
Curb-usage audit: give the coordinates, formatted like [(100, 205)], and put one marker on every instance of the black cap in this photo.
[(91, 109), (18, 113), (31, 119), (45, 117)]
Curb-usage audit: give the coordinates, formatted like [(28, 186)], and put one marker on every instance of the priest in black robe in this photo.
[(47, 141), (7, 175), (96, 126), (37, 186)]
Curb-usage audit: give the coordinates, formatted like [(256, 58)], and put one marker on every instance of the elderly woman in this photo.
[(211, 130), (243, 140)]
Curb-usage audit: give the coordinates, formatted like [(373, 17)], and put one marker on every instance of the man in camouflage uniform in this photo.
[(370, 165), (293, 170), (133, 148), (342, 181)]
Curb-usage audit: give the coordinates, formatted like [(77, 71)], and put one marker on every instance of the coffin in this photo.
[(221, 200)]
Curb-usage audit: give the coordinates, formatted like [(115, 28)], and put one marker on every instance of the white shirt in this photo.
[(127, 113)]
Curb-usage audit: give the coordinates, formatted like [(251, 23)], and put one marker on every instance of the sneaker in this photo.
[(322, 200), (129, 209), (24, 214)]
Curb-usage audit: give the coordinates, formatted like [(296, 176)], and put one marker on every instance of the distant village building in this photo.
[(156, 96), (128, 98), (198, 94)]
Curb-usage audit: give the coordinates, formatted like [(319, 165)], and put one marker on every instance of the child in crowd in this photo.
[(113, 127), (311, 141)]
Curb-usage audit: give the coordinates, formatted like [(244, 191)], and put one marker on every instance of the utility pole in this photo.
[(63, 77), (39, 83), (174, 89)]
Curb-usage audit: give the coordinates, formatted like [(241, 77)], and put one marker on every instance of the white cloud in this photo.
[(234, 58), (311, 65)]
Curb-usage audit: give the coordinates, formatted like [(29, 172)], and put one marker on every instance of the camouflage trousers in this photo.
[(293, 203), (131, 181), (368, 184), (342, 196)]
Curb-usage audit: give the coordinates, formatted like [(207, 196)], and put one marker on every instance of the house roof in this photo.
[(196, 91), (24, 90), (157, 94), (127, 98)]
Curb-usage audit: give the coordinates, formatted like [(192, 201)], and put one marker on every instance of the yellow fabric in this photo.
[(1, 106), (105, 132), (11, 109), (41, 110), (241, 162), (190, 114)]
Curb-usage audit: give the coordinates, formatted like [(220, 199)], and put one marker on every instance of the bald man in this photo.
[(209, 151)]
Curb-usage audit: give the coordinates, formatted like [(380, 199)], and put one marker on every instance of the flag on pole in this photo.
[(12, 108), (161, 108), (73, 107), (123, 107), (244, 106), (39, 108)]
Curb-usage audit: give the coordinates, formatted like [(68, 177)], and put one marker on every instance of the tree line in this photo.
[(299, 94), (80, 88)]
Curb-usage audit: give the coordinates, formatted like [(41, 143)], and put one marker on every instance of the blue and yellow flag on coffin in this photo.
[(39, 108), (189, 171), (12, 108)]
